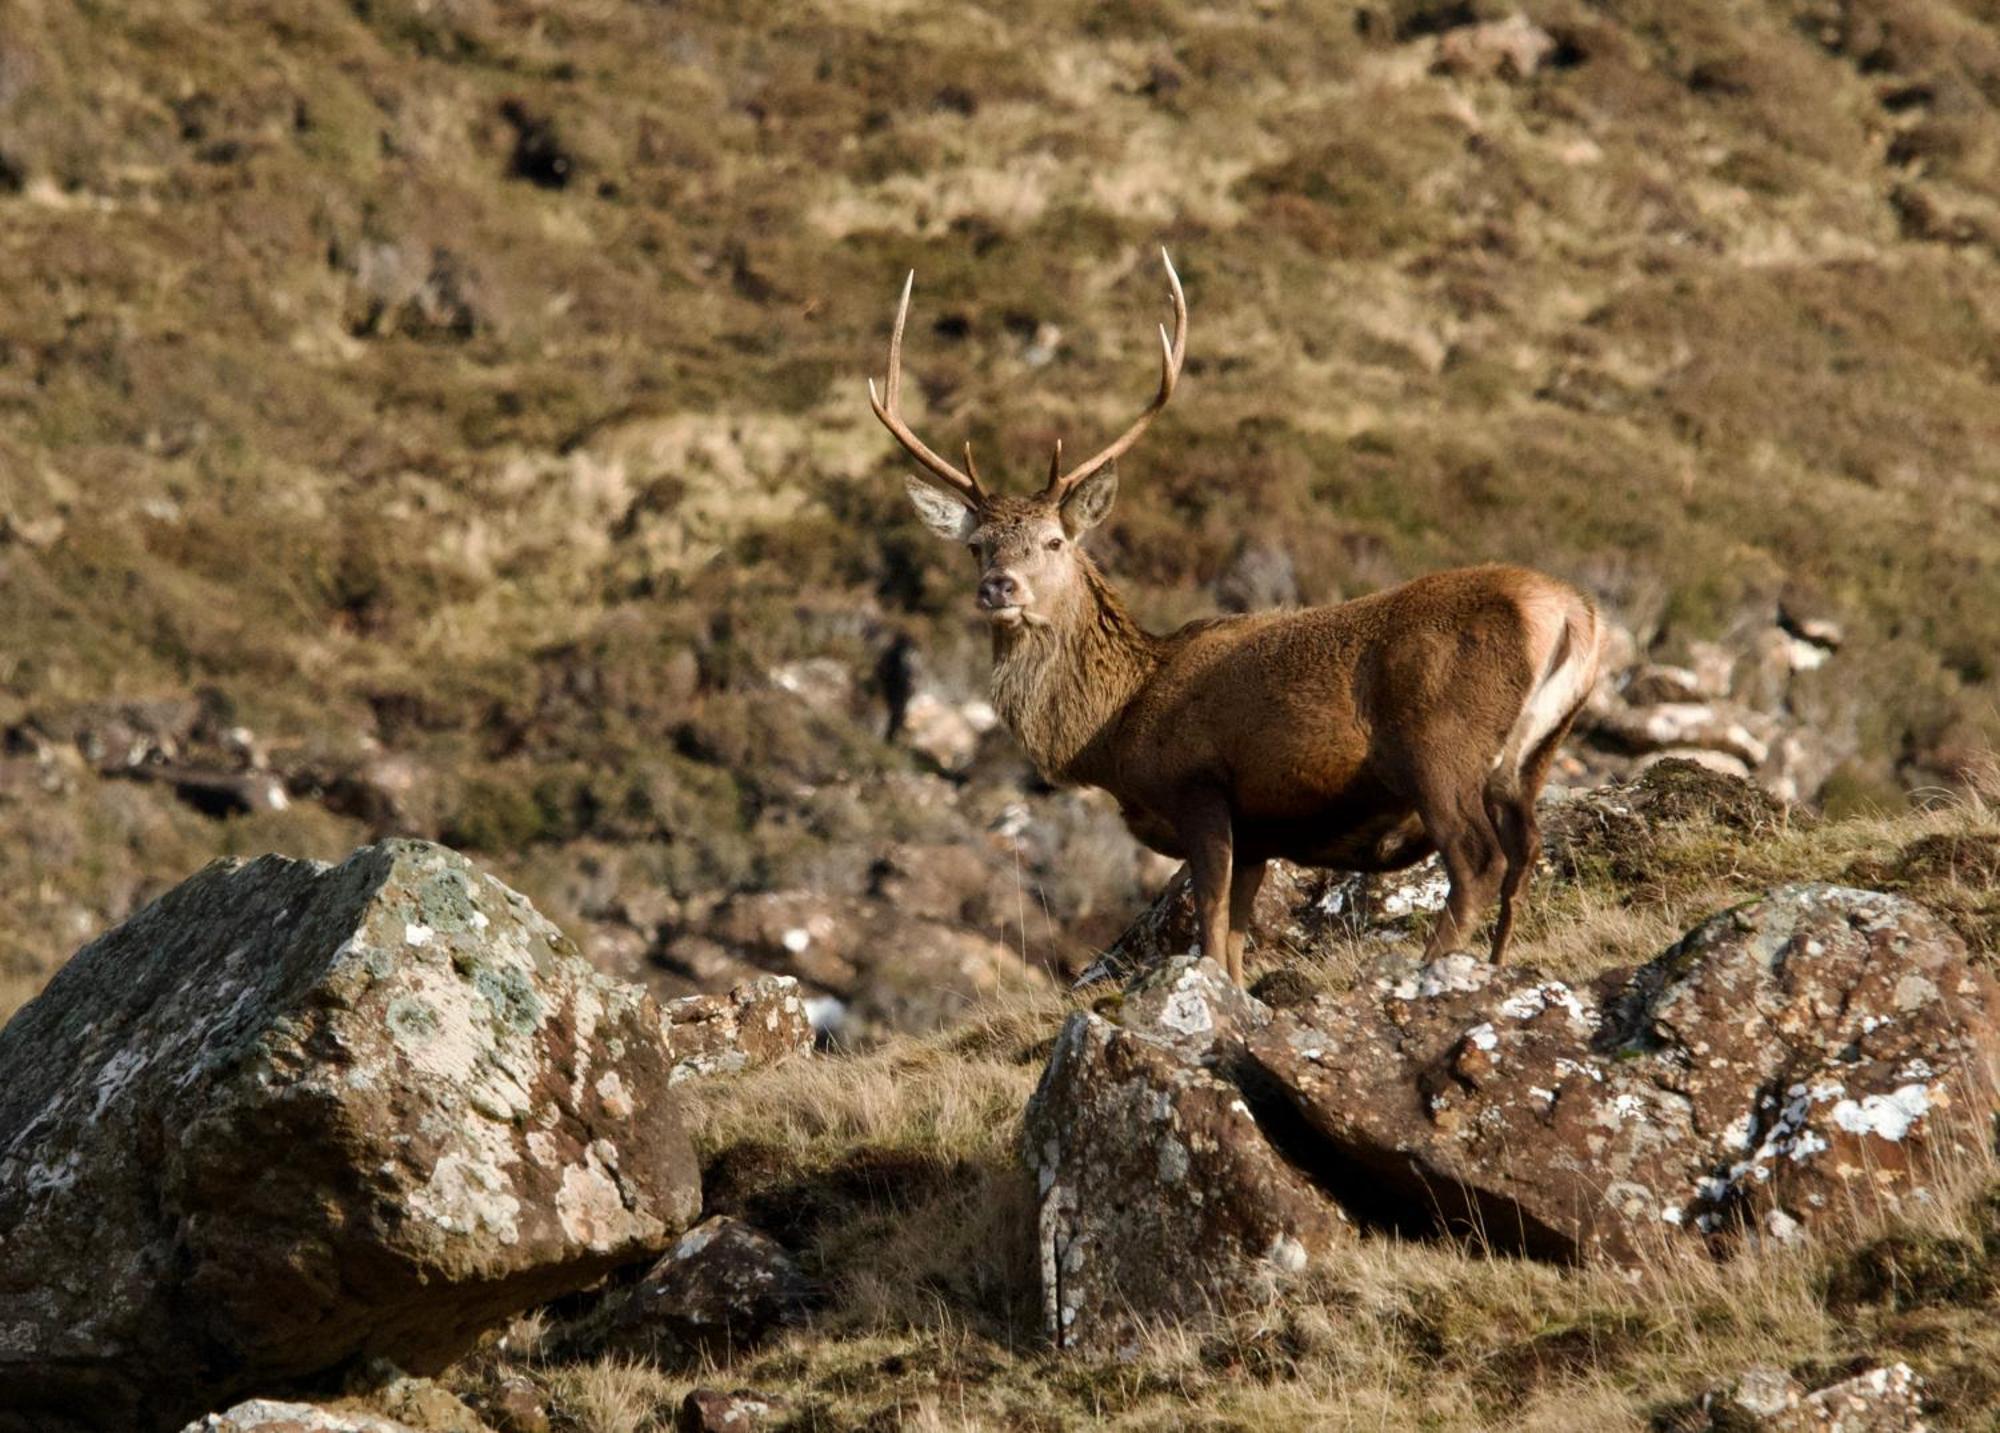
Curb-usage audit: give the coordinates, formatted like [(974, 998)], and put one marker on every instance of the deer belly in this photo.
[(1152, 831), (1344, 841)]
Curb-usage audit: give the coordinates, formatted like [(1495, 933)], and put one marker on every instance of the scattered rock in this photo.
[(1758, 1398), (420, 1402), (411, 289), (120, 738), (1157, 1193), (814, 937), (723, 1288), (1734, 706), (708, 1410), (1261, 576), (822, 683), (1706, 726), (1654, 682), (1801, 1059), (1509, 49), (865, 968), (265, 1415), (470, 1121), (1809, 617), (1769, 1400), (393, 794), (947, 732), (758, 1023), (516, 1405), (943, 882), (1882, 1400)]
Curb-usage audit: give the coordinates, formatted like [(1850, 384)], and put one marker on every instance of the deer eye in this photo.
[(1054, 544)]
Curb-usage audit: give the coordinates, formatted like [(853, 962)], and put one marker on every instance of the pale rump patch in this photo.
[(1565, 644)]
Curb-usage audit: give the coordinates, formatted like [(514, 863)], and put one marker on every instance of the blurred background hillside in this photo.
[(446, 417)]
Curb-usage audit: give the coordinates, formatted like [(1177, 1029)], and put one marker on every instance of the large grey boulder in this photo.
[(291, 1114)]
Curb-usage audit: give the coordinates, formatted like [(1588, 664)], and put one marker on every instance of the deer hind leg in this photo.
[(1511, 805), (1243, 887), (1513, 818), (1474, 859), (1204, 831)]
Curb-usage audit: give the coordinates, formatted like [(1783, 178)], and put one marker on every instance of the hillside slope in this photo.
[(478, 382)]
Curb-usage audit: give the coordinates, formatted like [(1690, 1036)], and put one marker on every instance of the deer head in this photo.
[(1031, 569)]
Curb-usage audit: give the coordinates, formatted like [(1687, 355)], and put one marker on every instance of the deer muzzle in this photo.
[(1001, 592)]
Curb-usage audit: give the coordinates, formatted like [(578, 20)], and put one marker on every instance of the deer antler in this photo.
[(1172, 351), (965, 484)]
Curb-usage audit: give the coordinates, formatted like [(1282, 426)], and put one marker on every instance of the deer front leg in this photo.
[(1206, 836), (1243, 886)]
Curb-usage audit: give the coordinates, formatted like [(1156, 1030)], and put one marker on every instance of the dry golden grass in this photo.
[(614, 1396)]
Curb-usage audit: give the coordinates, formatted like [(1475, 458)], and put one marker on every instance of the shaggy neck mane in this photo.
[(1060, 686)]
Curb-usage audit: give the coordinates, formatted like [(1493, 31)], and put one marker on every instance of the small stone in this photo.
[(724, 1287), (1882, 1400), (516, 1405), (708, 1410), (1753, 1401), (1509, 49), (758, 1023)]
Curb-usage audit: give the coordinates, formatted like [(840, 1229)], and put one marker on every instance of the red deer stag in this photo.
[(1360, 736)]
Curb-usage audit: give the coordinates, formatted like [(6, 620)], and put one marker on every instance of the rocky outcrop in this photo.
[(1157, 1194), (289, 1115), (758, 1023), (1809, 1058), (1801, 1059)]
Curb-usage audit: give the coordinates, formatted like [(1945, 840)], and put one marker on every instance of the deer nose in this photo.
[(999, 590)]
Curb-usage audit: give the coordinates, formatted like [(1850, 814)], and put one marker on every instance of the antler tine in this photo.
[(1172, 352), (888, 410)]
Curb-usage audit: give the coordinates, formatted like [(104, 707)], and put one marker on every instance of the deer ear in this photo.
[(1089, 502), (943, 513)]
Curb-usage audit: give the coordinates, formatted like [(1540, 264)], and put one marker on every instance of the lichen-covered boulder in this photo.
[(758, 1023), (1804, 1058), (1157, 1193), (292, 1114)]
